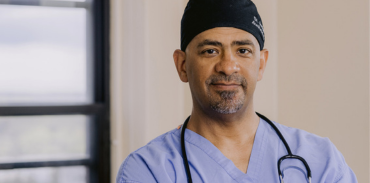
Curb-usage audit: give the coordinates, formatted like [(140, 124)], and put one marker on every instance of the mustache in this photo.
[(231, 78)]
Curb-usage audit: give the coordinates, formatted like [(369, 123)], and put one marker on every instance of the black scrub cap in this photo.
[(201, 15)]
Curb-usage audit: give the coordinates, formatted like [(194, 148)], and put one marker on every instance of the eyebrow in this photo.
[(209, 42), (242, 43), (217, 43)]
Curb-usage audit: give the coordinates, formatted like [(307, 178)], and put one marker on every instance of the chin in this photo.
[(226, 102), (227, 106)]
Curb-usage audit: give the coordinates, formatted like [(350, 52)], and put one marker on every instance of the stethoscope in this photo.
[(288, 156)]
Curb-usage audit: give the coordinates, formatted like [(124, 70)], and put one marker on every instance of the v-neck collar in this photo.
[(255, 162)]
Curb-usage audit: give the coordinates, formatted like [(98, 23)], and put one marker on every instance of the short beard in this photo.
[(227, 104), (226, 101)]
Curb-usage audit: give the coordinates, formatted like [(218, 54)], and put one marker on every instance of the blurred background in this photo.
[(54, 104), (85, 82)]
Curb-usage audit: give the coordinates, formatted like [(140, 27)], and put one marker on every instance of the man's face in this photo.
[(222, 67)]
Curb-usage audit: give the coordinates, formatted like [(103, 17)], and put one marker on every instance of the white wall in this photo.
[(324, 73), (317, 77), (148, 98)]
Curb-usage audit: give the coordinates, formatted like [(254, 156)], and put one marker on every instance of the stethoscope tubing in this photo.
[(184, 156), (288, 156)]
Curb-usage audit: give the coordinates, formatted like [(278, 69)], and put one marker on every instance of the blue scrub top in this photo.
[(161, 160)]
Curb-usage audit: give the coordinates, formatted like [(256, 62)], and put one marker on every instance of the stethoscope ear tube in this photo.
[(184, 156), (277, 131), (290, 155)]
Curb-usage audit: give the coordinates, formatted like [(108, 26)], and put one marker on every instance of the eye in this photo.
[(244, 51), (210, 51)]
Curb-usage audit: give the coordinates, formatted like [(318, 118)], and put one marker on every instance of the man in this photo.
[(225, 141)]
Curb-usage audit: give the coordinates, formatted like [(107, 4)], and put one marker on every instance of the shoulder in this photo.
[(302, 138), (141, 165), (325, 160)]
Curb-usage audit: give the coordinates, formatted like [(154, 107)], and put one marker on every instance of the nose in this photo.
[(228, 64)]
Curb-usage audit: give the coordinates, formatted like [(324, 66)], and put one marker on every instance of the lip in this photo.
[(225, 86)]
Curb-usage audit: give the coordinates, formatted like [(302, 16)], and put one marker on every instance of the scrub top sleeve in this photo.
[(348, 177), (345, 174), (134, 170)]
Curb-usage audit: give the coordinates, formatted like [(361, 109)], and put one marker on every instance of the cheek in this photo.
[(253, 69), (198, 74), (199, 78), (200, 71), (193, 74), (250, 73)]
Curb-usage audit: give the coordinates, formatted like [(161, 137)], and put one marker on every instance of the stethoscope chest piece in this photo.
[(282, 181), (291, 156)]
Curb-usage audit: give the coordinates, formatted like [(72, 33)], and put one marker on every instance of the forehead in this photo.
[(225, 35)]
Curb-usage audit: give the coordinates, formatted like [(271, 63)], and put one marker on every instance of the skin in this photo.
[(230, 53)]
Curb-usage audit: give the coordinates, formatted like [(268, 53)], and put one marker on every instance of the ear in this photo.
[(264, 55), (179, 58)]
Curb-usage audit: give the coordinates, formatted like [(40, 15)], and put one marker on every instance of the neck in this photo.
[(226, 129)]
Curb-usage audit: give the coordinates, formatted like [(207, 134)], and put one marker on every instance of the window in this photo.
[(54, 91)]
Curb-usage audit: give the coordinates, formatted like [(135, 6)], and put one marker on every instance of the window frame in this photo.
[(98, 164)]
